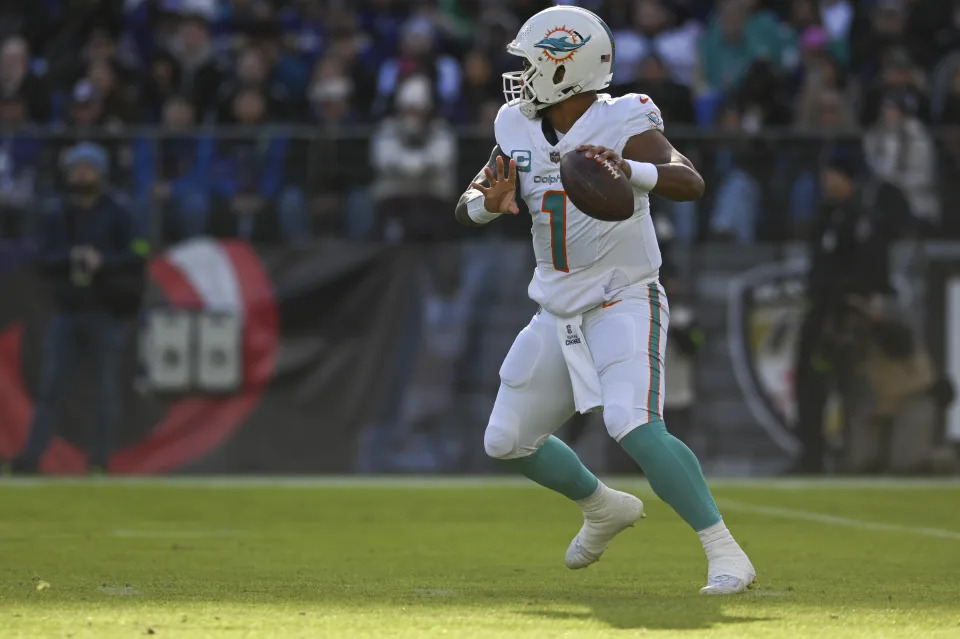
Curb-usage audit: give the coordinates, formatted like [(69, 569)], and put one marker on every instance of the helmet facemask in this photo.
[(518, 86)]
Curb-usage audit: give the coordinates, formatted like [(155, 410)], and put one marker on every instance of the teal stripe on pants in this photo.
[(653, 347)]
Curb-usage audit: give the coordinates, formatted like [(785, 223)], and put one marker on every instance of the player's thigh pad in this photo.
[(628, 342), (535, 395)]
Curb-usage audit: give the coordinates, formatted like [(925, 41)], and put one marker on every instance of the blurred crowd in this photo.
[(416, 70)]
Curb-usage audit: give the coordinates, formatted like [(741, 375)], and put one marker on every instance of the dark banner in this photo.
[(314, 333)]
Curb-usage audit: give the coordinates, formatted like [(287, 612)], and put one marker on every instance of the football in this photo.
[(602, 191)]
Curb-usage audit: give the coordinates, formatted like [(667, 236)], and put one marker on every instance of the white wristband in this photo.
[(643, 175), (477, 211)]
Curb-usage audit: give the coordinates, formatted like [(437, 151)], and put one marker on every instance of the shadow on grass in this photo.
[(699, 617), (657, 612), (619, 606)]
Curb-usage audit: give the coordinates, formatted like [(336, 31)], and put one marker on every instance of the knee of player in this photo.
[(503, 439), (500, 440), (619, 420)]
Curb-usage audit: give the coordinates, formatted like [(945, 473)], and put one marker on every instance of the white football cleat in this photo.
[(619, 511), (729, 573)]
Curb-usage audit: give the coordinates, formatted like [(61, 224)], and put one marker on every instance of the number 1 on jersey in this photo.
[(555, 203)]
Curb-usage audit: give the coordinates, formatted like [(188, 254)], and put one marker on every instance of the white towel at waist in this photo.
[(587, 394)]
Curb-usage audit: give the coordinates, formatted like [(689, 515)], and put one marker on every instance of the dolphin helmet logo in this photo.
[(560, 43)]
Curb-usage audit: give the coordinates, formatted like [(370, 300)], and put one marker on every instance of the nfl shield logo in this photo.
[(555, 156), (766, 312)]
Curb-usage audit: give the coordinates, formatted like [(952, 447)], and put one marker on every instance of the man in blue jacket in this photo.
[(94, 258)]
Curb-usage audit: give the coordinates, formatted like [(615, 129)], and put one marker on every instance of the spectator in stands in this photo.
[(267, 68), (899, 75), (761, 99), (251, 73), (93, 255), (737, 204), (674, 99), (17, 79), (900, 150), (305, 25), (251, 200), (656, 32), (414, 154), (482, 93), (823, 75), (883, 28), (288, 74), (833, 114), (496, 27), (825, 113), (910, 26), (162, 83), (101, 49), (735, 38), (345, 48), (418, 56), (197, 72), (807, 37), (171, 173), (118, 100), (930, 30), (19, 155), (86, 120), (381, 22), (947, 91), (331, 94), (86, 108)]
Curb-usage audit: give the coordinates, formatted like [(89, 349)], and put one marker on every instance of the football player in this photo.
[(597, 342)]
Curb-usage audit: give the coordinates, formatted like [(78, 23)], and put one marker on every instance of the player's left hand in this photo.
[(602, 154)]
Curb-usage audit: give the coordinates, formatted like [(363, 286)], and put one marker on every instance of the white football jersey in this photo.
[(581, 262)]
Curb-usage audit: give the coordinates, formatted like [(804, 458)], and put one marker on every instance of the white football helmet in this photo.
[(568, 38)]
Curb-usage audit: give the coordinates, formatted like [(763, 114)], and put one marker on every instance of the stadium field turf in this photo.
[(217, 557)]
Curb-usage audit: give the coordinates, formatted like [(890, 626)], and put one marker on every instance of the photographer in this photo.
[(849, 282), (94, 261)]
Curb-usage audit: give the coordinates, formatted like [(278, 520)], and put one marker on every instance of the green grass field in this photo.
[(407, 558)]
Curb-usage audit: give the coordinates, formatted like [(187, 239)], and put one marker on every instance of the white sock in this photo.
[(716, 539), (594, 502)]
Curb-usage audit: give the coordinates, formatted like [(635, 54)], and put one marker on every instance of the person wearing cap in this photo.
[(414, 156), (86, 106), (849, 275), (92, 255)]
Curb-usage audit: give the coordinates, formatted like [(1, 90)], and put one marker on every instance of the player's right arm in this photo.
[(663, 169), (491, 194)]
